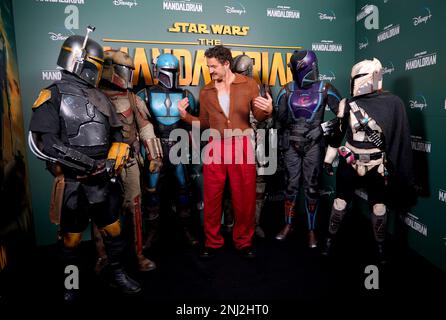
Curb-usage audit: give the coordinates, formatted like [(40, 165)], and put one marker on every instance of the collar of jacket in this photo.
[(238, 79)]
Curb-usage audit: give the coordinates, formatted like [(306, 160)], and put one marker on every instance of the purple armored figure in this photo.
[(300, 111)]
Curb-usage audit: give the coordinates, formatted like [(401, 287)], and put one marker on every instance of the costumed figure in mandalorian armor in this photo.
[(377, 149), (299, 118), (162, 100), (243, 64), (116, 82), (75, 130)]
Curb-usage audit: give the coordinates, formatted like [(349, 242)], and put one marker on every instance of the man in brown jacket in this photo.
[(225, 104)]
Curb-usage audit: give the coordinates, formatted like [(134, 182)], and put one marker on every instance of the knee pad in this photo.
[(71, 240), (379, 209), (112, 230), (339, 204)]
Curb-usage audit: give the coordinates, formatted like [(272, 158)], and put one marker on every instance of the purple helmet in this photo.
[(303, 65)]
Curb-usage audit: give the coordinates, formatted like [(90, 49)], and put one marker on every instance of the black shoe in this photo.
[(123, 282), (247, 253), (208, 253)]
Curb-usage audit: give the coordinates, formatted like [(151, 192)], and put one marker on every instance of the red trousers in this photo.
[(233, 158)]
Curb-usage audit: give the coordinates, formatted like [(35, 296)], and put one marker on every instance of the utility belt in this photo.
[(296, 133), (301, 128), (351, 157)]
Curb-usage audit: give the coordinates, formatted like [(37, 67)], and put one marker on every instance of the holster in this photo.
[(56, 201)]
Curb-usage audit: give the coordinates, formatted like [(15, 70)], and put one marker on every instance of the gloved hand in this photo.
[(155, 165), (328, 167), (131, 162), (314, 134)]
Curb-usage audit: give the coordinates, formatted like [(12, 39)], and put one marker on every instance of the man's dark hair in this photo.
[(221, 53)]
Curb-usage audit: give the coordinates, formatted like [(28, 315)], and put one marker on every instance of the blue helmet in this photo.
[(166, 70)]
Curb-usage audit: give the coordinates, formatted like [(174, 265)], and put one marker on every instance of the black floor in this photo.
[(284, 276)]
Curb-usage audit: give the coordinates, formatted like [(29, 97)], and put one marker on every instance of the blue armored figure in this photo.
[(162, 100), (300, 112)]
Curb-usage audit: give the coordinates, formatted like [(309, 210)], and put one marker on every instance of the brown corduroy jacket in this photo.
[(243, 91)]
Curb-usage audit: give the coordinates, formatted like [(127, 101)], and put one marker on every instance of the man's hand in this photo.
[(265, 104), (183, 104), (328, 169), (155, 165)]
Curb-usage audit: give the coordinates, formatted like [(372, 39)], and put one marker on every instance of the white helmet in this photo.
[(366, 77)]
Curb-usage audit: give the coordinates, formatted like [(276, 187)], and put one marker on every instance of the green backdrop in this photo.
[(275, 28)]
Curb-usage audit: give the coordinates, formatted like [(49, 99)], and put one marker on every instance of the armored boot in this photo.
[(186, 219), (144, 264), (312, 241), (151, 232), (119, 279), (289, 219), (115, 275), (337, 215), (259, 231), (379, 222), (311, 206), (151, 211), (101, 260), (69, 257), (186, 224)]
